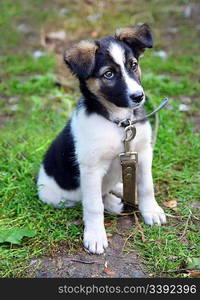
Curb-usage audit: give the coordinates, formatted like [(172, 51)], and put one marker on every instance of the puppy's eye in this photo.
[(134, 65), (108, 75)]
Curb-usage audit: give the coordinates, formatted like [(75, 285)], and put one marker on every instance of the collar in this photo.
[(128, 122)]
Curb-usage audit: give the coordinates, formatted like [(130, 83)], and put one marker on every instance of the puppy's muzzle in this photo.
[(137, 97)]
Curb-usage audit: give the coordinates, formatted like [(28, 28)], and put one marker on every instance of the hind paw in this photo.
[(113, 204)]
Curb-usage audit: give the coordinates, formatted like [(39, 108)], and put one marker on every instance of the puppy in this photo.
[(82, 163)]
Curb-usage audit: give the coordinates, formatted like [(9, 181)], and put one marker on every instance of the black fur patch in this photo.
[(60, 160)]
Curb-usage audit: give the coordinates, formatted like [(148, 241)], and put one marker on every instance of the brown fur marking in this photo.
[(130, 33), (127, 32), (84, 51), (94, 85)]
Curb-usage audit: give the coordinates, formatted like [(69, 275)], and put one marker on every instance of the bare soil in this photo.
[(113, 263)]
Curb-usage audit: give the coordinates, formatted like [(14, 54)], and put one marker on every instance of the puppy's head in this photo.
[(109, 67)]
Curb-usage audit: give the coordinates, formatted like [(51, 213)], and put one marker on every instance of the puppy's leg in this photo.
[(149, 208), (95, 239)]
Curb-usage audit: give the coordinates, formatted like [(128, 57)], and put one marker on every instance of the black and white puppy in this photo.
[(82, 164)]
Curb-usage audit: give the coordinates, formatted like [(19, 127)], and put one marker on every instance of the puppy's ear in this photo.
[(81, 58), (137, 37)]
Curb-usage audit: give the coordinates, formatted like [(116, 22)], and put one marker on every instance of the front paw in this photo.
[(95, 241), (153, 215)]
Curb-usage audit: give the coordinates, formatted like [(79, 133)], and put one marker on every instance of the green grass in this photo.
[(40, 113), (21, 154), (175, 170)]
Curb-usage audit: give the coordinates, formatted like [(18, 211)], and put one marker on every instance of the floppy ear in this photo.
[(137, 37), (81, 58)]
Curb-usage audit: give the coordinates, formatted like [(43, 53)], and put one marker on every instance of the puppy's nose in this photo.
[(137, 96)]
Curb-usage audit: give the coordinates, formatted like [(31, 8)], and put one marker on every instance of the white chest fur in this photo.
[(99, 143)]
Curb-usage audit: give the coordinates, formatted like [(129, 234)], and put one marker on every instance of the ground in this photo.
[(85, 265), (37, 95)]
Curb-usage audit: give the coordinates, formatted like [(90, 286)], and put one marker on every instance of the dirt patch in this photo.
[(4, 119), (196, 120), (113, 263)]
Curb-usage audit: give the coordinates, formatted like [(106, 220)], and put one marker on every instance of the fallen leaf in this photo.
[(108, 223), (170, 204), (109, 234), (193, 262), (195, 274), (193, 266), (109, 272), (94, 34), (15, 235)]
